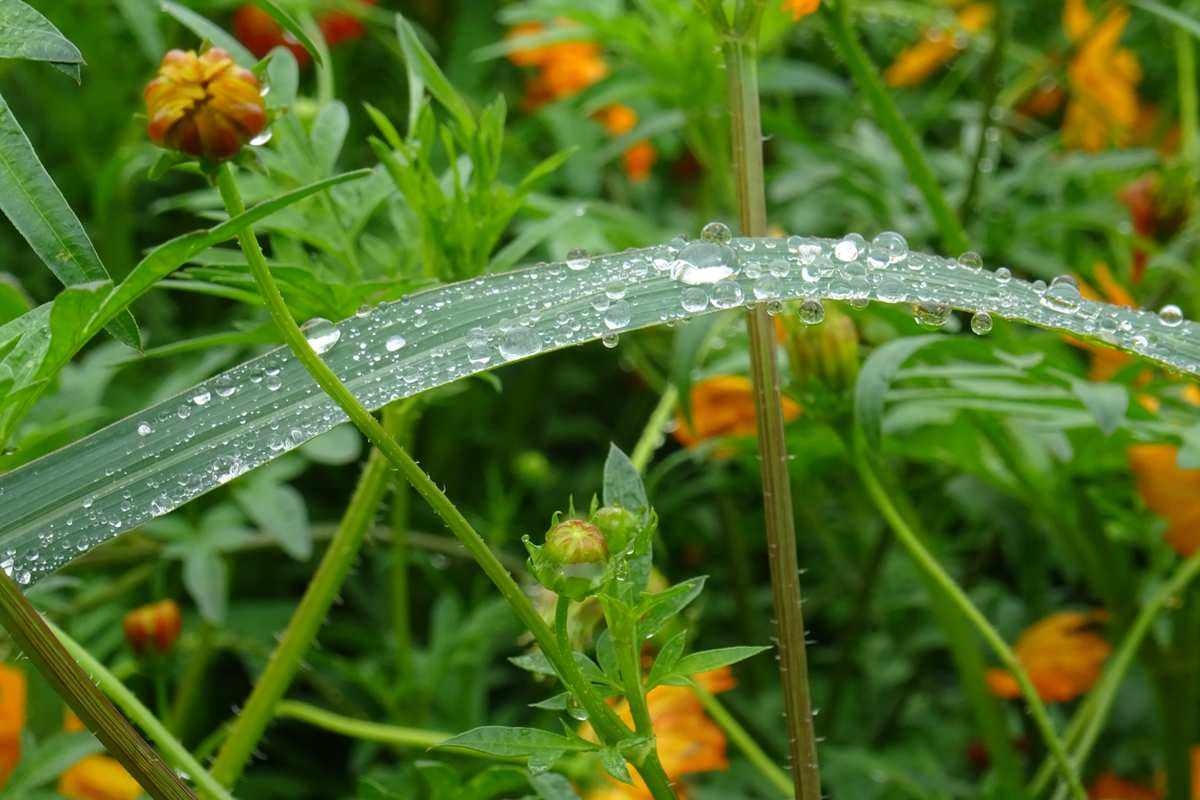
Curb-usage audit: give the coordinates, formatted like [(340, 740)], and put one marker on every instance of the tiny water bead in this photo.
[(202, 397), (394, 343), (1171, 316), (321, 334), (981, 323), (717, 232), (144, 429)]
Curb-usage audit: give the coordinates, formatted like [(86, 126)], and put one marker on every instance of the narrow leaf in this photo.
[(25, 33), (623, 483), (292, 26), (875, 378), (427, 73), (497, 740), (695, 663)]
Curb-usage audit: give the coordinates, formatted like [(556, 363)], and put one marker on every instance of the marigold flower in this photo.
[(1170, 491), (688, 741), (98, 778), (12, 718), (723, 406), (618, 119), (639, 160), (937, 46), (204, 105), (564, 68), (1104, 107), (1062, 654), (799, 9), (153, 627)]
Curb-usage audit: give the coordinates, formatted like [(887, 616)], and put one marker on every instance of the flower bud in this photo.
[(204, 105), (575, 541), (825, 354), (154, 627), (618, 525)]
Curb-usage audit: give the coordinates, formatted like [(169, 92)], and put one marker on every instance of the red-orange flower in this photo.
[(260, 33), (617, 118), (12, 718), (799, 9), (1063, 655), (639, 160), (1104, 108), (98, 778), (723, 406), (1170, 491), (938, 46), (564, 68), (154, 627), (204, 105)]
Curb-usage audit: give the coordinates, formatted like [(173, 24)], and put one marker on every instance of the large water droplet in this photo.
[(726, 294), (812, 312), (1170, 315), (888, 247), (321, 334), (931, 314), (618, 315), (394, 343), (144, 429), (518, 342), (702, 263), (847, 249), (1062, 296), (578, 260), (981, 323), (693, 299)]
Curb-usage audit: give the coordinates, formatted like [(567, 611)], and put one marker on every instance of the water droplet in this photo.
[(1062, 296), (717, 232), (261, 139), (618, 315), (981, 323), (726, 294), (610, 340), (888, 247), (1170, 315), (144, 429), (1003, 274), (693, 299), (202, 397), (578, 260), (812, 312), (702, 263), (394, 343), (970, 260), (931, 314), (225, 386), (846, 250), (321, 334), (518, 342)]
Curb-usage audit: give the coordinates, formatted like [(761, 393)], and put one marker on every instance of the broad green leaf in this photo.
[(206, 578), (658, 609), (552, 786), (25, 33), (37, 209), (328, 133), (339, 447), (283, 78), (1107, 402), (48, 759), (875, 378), (623, 483), (13, 301), (292, 26), (1179, 19), (496, 740), (280, 512), (691, 340), (695, 663), (210, 32)]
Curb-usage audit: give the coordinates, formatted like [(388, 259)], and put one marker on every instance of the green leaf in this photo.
[(875, 378), (534, 661), (206, 578), (703, 661), (25, 33), (658, 609), (342, 445), (606, 654), (1177, 18), (668, 657), (47, 760), (283, 77), (497, 740), (13, 301), (292, 26), (552, 786), (614, 764), (1107, 402), (279, 511), (423, 71), (495, 782), (328, 133), (37, 209), (211, 32), (623, 483), (691, 340), (142, 18)]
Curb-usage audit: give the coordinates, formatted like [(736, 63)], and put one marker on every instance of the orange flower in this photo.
[(1104, 107), (98, 778), (1170, 491), (1062, 654), (12, 718), (688, 741), (153, 627), (639, 160), (937, 47), (1108, 786), (564, 68), (723, 406), (204, 105), (618, 119), (799, 9), (261, 34)]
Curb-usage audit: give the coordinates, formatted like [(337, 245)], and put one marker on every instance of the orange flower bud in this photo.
[(98, 778), (723, 405), (618, 118), (1062, 654), (261, 34), (639, 160), (205, 106), (153, 627), (799, 9)]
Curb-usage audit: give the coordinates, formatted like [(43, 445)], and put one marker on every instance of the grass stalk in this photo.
[(954, 593), (393, 735), (32, 634), (743, 741), (604, 721)]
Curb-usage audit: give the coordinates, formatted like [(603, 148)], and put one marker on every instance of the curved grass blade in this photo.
[(146, 465), (292, 26)]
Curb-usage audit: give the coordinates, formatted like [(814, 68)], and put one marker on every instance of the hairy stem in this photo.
[(393, 735), (741, 51), (605, 722), (145, 718), (31, 633), (925, 561), (889, 117)]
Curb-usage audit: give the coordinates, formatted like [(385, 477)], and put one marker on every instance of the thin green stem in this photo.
[(652, 434), (32, 634), (743, 741), (605, 722), (987, 117), (361, 729), (952, 591), (889, 117), (1090, 719), (1189, 108), (629, 661), (741, 57), (191, 683), (144, 717), (402, 418)]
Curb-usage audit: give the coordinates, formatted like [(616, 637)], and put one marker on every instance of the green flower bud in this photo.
[(618, 525), (575, 541), (824, 355)]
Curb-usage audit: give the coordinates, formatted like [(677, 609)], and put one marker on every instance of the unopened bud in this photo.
[(154, 627), (618, 525), (575, 541)]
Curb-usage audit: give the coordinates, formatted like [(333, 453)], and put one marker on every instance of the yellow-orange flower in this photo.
[(564, 68), (98, 778), (1104, 108), (937, 47), (723, 406), (639, 160), (1063, 655), (153, 627), (204, 105), (617, 118), (799, 9), (1170, 491), (688, 741), (1108, 786), (12, 718)]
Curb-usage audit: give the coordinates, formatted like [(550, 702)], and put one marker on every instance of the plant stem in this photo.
[(247, 730), (741, 52), (604, 721), (954, 593), (991, 81), (145, 719), (652, 434), (362, 729), (1189, 109), (402, 418), (32, 634), (888, 115), (745, 742)]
